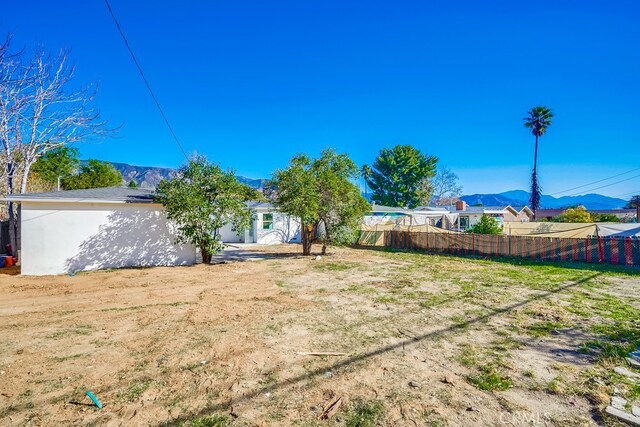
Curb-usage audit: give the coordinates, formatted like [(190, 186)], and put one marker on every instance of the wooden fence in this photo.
[(602, 250)]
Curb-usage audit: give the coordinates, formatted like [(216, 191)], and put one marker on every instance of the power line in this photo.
[(627, 194), (144, 78), (603, 186), (595, 182)]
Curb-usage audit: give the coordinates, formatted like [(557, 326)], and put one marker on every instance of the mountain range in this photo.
[(150, 176), (521, 198)]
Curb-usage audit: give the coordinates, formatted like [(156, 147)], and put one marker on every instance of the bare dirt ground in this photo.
[(428, 340)]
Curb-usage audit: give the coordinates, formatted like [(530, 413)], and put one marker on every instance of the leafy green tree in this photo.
[(201, 199), (401, 176), (577, 214), (132, 184), (538, 122), (320, 192), (486, 225), (598, 217), (61, 162), (341, 207), (93, 174), (634, 202)]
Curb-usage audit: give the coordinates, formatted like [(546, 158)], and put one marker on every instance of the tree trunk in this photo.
[(325, 240), (535, 156), (206, 256), (13, 230), (306, 231)]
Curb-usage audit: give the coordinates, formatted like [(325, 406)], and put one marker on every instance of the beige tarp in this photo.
[(550, 229), (373, 235)]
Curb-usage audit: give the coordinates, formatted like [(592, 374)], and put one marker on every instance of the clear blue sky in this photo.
[(250, 83)]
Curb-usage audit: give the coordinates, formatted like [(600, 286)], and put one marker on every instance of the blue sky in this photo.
[(251, 83)]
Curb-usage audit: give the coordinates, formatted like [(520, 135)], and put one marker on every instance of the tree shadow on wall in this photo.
[(132, 238), (287, 231)]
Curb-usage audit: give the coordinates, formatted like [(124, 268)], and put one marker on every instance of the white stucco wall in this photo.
[(285, 229), (61, 237), (229, 236)]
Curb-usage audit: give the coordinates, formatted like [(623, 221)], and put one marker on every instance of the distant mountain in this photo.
[(521, 198), (150, 176)]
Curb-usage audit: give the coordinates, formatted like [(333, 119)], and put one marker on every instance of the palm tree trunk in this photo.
[(535, 157), (534, 200)]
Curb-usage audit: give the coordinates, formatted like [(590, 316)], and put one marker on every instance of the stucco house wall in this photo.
[(285, 229), (62, 237)]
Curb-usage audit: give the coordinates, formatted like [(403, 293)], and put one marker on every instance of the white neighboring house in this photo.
[(471, 215), (69, 231), (268, 227)]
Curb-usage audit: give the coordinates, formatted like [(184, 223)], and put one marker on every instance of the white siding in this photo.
[(60, 237)]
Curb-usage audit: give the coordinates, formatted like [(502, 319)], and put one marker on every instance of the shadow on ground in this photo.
[(439, 333)]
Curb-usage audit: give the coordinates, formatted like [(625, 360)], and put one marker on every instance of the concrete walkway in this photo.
[(239, 252)]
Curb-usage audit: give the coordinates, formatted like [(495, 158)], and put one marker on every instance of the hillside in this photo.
[(150, 176), (520, 198)]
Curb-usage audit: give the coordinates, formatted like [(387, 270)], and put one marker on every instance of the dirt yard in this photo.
[(427, 340)]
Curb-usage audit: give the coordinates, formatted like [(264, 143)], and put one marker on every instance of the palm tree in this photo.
[(538, 121)]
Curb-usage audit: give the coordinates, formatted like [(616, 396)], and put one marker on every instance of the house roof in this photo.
[(545, 213), (382, 208), (92, 195), (253, 204), (490, 209)]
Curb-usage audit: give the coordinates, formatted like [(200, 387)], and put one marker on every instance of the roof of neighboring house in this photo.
[(382, 208), (555, 212), (491, 209), (92, 195)]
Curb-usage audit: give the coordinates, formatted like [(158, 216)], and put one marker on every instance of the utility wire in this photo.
[(144, 78), (594, 182), (628, 194), (603, 186)]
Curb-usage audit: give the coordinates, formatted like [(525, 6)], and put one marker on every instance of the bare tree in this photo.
[(445, 187), (39, 110)]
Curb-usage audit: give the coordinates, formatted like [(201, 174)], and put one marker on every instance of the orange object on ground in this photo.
[(8, 261)]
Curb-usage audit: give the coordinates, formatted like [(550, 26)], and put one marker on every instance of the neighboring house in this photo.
[(69, 231), (624, 215), (380, 214), (470, 215), (268, 227)]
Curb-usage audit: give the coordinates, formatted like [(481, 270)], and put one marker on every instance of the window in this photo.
[(267, 221)]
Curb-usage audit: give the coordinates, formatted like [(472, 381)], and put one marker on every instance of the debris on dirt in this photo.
[(320, 353), (330, 409), (94, 399), (627, 373), (414, 384), (472, 409), (328, 374), (448, 379), (623, 416), (318, 258)]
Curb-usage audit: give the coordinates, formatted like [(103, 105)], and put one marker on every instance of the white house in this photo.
[(268, 227), (78, 230), (471, 215)]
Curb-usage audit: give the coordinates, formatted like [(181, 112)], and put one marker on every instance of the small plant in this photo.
[(364, 414), (541, 329), (208, 421), (490, 380)]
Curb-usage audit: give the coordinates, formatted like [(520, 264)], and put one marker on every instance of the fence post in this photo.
[(473, 243)]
